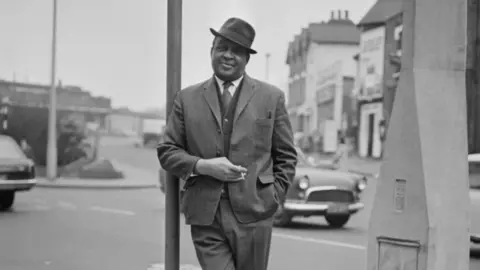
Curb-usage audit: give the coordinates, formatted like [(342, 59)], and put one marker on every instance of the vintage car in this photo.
[(321, 190), (17, 172), (317, 190), (474, 177)]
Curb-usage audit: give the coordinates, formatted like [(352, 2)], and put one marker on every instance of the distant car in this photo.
[(321, 190), (17, 172)]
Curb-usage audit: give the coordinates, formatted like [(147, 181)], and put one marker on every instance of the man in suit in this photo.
[(230, 139)]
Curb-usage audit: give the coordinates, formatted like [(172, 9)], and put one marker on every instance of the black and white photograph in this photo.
[(240, 135)]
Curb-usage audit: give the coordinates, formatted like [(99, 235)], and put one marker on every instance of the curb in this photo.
[(57, 185)]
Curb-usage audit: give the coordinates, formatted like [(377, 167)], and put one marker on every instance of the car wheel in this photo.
[(281, 218), (6, 200), (337, 221)]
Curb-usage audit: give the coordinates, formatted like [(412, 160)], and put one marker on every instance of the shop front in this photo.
[(370, 92)]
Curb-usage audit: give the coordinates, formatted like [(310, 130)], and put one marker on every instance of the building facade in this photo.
[(312, 52), (370, 94), (375, 84), (332, 104)]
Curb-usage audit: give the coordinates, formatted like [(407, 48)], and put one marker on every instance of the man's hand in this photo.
[(221, 168)]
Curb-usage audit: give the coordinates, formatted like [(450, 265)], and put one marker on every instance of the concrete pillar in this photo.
[(420, 214)]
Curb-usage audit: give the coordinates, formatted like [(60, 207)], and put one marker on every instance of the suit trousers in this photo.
[(227, 244)]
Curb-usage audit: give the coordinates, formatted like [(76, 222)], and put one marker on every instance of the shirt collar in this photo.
[(235, 83)]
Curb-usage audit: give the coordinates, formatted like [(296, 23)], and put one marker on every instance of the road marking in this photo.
[(39, 207), (112, 211), (319, 241), (161, 266), (67, 205)]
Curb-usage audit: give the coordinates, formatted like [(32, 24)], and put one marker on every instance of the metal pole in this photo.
[(172, 195), (52, 109), (267, 63)]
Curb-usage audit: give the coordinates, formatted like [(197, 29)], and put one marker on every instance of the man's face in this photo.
[(228, 59)]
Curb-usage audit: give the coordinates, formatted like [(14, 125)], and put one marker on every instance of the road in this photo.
[(59, 229)]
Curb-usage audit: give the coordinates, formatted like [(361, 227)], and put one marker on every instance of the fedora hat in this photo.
[(238, 31)]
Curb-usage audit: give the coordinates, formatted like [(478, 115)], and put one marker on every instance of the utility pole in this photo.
[(267, 66), (52, 109), (420, 216), (172, 190)]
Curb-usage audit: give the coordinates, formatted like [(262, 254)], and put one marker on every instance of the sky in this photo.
[(117, 48)]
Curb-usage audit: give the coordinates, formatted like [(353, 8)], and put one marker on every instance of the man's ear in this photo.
[(248, 57)]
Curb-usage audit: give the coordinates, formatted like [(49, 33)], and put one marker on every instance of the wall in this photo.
[(321, 57)]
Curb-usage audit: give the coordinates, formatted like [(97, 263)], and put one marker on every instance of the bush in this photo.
[(32, 124)]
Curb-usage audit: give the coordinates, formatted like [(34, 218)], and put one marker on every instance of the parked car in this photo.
[(317, 190), (17, 172), (474, 177), (321, 190)]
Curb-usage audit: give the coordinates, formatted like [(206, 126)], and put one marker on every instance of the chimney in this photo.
[(339, 14), (346, 15), (332, 15)]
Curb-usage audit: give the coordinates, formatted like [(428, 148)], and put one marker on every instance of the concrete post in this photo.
[(420, 215)]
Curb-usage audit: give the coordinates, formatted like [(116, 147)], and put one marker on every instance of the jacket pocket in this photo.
[(266, 179)]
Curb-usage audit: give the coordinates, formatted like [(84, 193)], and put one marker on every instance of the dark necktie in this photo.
[(226, 96)]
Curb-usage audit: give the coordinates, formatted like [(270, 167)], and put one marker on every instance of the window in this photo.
[(10, 149)]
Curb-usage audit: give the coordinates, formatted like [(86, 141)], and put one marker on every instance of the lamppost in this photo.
[(5, 108), (52, 157), (267, 66)]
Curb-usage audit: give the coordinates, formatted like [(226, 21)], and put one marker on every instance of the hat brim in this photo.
[(217, 34)]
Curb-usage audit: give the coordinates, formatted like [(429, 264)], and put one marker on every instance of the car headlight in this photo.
[(362, 184), (304, 183)]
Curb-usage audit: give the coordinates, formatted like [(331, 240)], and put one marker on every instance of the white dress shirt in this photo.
[(232, 87)]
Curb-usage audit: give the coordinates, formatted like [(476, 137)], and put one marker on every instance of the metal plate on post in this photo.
[(397, 254), (399, 195)]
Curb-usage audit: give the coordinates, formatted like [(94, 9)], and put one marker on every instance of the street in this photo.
[(60, 229)]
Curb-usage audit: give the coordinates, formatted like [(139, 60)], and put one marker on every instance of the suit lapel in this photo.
[(211, 97), (246, 94)]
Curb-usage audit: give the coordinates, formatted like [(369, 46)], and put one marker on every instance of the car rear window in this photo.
[(10, 149)]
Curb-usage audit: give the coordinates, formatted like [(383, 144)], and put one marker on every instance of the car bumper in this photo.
[(475, 238), (17, 185), (310, 208)]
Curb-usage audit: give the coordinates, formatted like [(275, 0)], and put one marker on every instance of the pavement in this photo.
[(123, 229)]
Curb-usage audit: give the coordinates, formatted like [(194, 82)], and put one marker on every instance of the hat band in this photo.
[(238, 38)]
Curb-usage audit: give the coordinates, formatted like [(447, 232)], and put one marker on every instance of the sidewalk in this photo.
[(134, 179), (363, 166)]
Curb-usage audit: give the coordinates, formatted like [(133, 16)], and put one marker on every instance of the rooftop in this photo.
[(338, 30), (381, 11)]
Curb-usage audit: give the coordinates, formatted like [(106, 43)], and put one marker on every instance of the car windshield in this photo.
[(9, 148)]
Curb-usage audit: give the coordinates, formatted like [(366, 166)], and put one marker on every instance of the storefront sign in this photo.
[(326, 82), (325, 94), (371, 63)]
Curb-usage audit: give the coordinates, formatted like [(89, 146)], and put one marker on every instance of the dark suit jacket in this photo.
[(261, 141)]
